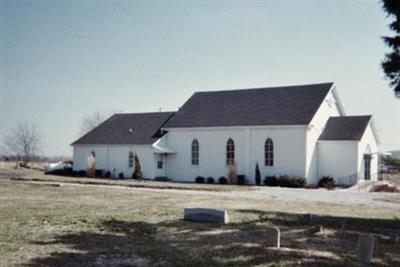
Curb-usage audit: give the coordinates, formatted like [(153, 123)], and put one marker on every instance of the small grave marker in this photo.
[(316, 229), (273, 237), (206, 215), (365, 248)]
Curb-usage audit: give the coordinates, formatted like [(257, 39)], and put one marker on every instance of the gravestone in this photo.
[(206, 215), (365, 248), (273, 237), (316, 229)]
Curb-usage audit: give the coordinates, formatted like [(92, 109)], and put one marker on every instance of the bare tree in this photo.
[(91, 121), (24, 141)]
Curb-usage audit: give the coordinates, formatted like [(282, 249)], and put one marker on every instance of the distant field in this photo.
[(45, 224)]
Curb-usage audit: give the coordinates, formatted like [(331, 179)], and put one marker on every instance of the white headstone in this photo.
[(273, 237), (206, 215), (365, 248)]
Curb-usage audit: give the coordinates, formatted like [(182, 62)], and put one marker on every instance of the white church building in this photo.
[(292, 130)]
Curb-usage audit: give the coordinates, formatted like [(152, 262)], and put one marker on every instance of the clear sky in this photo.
[(62, 60)]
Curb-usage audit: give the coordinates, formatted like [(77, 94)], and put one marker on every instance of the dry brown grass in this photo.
[(38, 176), (71, 225)]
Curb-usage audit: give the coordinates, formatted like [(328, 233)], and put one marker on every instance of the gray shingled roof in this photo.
[(345, 128), (289, 105), (115, 130)]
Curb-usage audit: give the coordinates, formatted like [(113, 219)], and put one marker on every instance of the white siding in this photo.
[(368, 144), (328, 108), (337, 159), (342, 159), (110, 157), (289, 151)]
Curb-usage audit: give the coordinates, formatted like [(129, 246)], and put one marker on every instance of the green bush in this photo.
[(258, 175), (222, 180), (121, 175), (210, 180), (98, 173), (327, 182), (162, 179), (241, 179), (137, 173), (200, 179), (296, 182), (285, 181), (271, 181)]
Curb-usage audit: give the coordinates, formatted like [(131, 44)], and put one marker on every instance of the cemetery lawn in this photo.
[(44, 224)]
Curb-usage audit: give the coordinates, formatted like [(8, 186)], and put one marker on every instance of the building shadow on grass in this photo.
[(181, 243)]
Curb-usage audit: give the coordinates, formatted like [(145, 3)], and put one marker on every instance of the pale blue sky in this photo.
[(63, 60)]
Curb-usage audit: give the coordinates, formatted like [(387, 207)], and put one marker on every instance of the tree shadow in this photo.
[(336, 222), (181, 243)]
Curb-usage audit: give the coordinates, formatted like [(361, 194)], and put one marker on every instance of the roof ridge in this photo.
[(144, 113), (265, 88), (352, 116)]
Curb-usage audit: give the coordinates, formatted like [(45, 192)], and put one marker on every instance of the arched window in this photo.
[(130, 160), (93, 154), (195, 152), (269, 152), (230, 152)]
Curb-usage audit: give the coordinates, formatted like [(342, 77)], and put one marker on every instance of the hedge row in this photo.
[(210, 180), (285, 181)]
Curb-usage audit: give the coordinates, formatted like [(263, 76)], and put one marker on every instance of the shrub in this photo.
[(271, 181), (232, 174), (327, 182), (296, 182), (61, 172), (81, 173), (99, 173), (74, 173), (107, 174), (258, 175), (90, 166), (210, 180), (285, 181), (121, 175), (222, 180), (137, 173), (162, 179), (241, 179), (200, 179)]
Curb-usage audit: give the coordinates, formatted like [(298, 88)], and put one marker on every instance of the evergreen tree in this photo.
[(258, 175), (391, 63), (137, 173)]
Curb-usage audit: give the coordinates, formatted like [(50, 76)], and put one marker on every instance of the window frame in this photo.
[(269, 153), (131, 157), (230, 152), (195, 152)]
